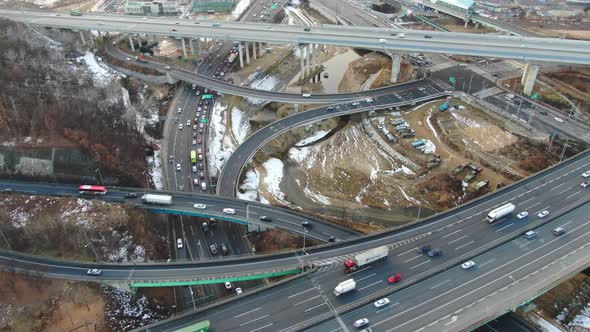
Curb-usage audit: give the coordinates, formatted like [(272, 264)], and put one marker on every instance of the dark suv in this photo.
[(424, 249), (265, 218), (434, 252)]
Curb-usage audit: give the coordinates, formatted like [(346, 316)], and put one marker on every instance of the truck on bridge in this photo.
[(345, 287), (156, 199), (500, 212), (365, 258)]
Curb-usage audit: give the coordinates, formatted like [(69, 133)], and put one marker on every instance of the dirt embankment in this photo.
[(373, 70)]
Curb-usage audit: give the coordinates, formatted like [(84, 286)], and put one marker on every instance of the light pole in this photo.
[(92, 246), (97, 170), (192, 297), (419, 209), (565, 146)]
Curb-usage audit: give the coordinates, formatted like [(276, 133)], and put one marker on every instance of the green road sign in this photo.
[(203, 120), (535, 96), (452, 79), (274, 6), (207, 96)]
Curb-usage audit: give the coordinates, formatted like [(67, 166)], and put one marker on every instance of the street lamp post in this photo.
[(100, 175), (419, 209)]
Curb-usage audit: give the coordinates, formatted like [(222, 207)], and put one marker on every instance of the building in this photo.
[(153, 8), (461, 5), (212, 6)]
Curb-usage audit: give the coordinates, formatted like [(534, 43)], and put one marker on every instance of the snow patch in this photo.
[(274, 176), (267, 83), (101, 75), (544, 325), (318, 198), (156, 171), (240, 7), (240, 127), (249, 188), (315, 137), (430, 124), (465, 122), (219, 149), (408, 198)]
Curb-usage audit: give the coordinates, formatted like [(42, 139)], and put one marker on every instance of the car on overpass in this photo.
[(467, 265), (94, 272)]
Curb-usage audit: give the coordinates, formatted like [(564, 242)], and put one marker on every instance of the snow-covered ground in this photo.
[(316, 136), (240, 126), (220, 148), (156, 171), (240, 7), (267, 83), (544, 325), (101, 74), (250, 186), (430, 124), (298, 154), (274, 169)]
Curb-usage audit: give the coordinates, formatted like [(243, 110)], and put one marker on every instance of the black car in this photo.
[(224, 249), (434, 252), (332, 239), (424, 249), (306, 224), (265, 218), (131, 195)]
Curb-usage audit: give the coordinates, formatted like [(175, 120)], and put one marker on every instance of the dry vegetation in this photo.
[(44, 96)]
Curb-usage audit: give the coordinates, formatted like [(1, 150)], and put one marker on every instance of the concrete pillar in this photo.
[(241, 53), (82, 36), (308, 56), (315, 56), (254, 50), (91, 37), (525, 73), (395, 67), (99, 34), (131, 43), (261, 49), (466, 23), (247, 53), (184, 48), (530, 79), (302, 57), (192, 46)]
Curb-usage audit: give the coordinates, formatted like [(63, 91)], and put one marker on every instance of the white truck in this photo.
[(345, 287), (500, 212), (365, 258), (157, 199)]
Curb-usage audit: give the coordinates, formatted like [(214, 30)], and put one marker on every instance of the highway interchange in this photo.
[(521, 48), (460, 233)]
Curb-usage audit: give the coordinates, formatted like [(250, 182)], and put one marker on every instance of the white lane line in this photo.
[(438, 285), (487, 262), (361, 270), (559, 185), (577, 192), (413, 267), (305, 291), (465, 245), (530, 199), (255, 319), (458, 239), (455, 232), (262, 327), (311, 298), (370, 285), (532, 206), (500, 229), (405, 252), (387, 307), (411, 259), (369, 276), (317, 306), (561, 192), (247, 312)]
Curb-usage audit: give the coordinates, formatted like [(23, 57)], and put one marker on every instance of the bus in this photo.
[(86, 189), (193, 156), (203, 326), (76, 13)]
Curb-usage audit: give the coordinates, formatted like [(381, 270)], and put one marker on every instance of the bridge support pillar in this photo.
[(529, 80), (170, 79), (395, 67), (247, 53), (82, 37), (302, 58), (99, 34), (466, 23), (254, 50), (131, 43), (308, 56), (260, 48), (192, 46), (91, 37), (184, 48), (241, 53)]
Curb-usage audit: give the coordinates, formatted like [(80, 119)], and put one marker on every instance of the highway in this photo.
[(406, 94), (510, 47), (534, 194), (432, 289)]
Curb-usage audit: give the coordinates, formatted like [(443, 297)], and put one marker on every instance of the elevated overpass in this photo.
[(521, 48)]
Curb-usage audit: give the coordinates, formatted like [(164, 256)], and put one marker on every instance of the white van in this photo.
[(203, 186), (306, 95), (530, 235)]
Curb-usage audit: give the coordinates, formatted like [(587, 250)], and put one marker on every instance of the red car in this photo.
[(395, 278), (199, 141)]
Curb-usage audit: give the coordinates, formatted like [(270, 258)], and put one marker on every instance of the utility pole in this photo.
[(419, 208), (92, 246), (100, 175), (531, 115), (565, 146)]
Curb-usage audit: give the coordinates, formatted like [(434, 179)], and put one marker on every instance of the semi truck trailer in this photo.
[(345, 287), (365, 258), (500, 212), (157, 199)]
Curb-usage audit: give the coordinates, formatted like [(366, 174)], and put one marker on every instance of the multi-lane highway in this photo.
[(434, 288), (465, 223), (522, 48)]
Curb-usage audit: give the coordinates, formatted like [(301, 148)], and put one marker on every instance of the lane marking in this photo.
[(488, 262), (413, 267), (247, 312), (305, 291), (369, 276), (317, 306), (458, 239), (499, 229), (255, 319), (561, 192), (532, 206), (577, 192), (311, 298), (466, 244), (262, 327), (455, 232), (559, 185), (405, 252), (370, 285), (411, 259), (442, 283)]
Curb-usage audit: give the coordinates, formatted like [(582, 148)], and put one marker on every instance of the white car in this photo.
[(239, 291), (229, 211), (381, 302), (467, 265), (94, 272), (227, 285), (200, 206), (383, 41), (360, 322), (128, 59), (179, 243), (560, 120), (585, 184), (178, 167), (167, 67), (194, 169), (180, 126), (179, 110), (586, 174), (188, 123), (522, 215), (194, 142), (543, 214)]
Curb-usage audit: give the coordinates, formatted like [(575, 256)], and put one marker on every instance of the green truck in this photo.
[(76, 13)]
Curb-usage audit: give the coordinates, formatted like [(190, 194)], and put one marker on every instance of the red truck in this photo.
[(365, 258)]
